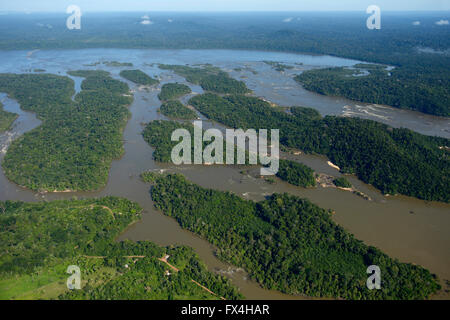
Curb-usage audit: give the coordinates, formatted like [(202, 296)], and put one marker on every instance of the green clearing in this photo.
[(40, 240)]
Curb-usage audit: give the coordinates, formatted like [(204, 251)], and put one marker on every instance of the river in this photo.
[(408, 229)]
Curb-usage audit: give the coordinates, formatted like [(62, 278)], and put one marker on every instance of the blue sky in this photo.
[(222, 5)]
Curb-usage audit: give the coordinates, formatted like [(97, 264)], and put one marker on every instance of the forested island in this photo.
[(287, 243), (171, 91), (138, 77), (117, 64), (176, 110), (40, 240), (171, 107), (296, 174), (210, 78), (6, 119), (380, 86), (278, 66), (73, 147), (158, 135), (342, 183), (396, 161)]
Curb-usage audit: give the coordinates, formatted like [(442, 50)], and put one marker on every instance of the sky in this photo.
[(222, 5)]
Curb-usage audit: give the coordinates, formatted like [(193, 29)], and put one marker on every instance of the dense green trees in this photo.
[(192, 74), (342, 183), (35, 234), (380, 86), (306, 113), (139, 77), (210, 78), (296, 173), (158, 135), (393, 160), (222, 83), (140, 275), (102, 81), (175, 109), (117, 64), (74, 146), (38, 237), (170, 91), (6, 119), (287, 243), (278, 66)]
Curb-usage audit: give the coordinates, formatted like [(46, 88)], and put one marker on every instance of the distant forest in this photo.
[(423, 74)]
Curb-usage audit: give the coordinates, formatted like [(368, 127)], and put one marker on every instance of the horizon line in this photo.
[(221, 11)]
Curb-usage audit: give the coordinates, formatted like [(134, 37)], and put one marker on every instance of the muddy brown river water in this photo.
[(408, 229)]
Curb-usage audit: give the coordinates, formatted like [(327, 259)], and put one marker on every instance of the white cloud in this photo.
[(288, 19), (48, 26), (442, 22), (416, 23), (146, 22), (170, 20)]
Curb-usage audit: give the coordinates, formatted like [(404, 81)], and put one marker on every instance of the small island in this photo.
[(210, 78), (171, 91), (278, 66), (296, 174), (138, 77), (342, 183), (117, 64), (176, 110)]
